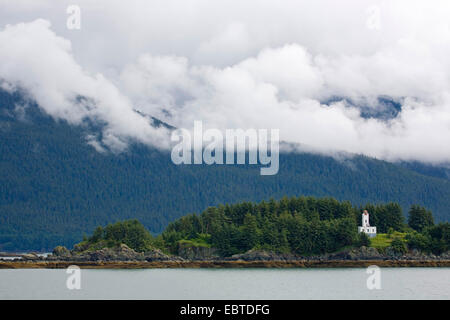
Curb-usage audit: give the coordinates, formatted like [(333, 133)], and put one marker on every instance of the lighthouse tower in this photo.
[(366, 228)]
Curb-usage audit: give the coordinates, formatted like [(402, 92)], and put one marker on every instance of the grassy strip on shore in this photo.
[(222, 264)]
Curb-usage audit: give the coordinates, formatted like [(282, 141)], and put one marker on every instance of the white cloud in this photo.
[(229, 45), (260, 64), (40, 62)]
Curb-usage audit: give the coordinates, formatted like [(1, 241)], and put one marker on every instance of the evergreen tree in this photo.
[(363, 240), (420, 218), (250, 232), (399, 246)]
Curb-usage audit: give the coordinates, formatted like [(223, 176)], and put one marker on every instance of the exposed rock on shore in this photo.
[(118, 253), (370, 253), (224, 264), (30, 256), (61, 251), (362, 253), (123, 253), (354, 254), (262, 255), (197, 252)]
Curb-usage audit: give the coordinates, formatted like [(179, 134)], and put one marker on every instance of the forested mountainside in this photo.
[(54, 187)]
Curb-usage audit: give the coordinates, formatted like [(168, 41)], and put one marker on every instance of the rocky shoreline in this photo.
[(123, 257), (222, 264)]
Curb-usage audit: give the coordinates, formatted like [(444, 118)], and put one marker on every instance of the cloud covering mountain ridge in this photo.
[(257, 65)]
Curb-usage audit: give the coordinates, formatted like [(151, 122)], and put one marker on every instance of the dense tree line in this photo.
[(129, 232), (300, 225), (426, 236), (420, 218), (303, 225)]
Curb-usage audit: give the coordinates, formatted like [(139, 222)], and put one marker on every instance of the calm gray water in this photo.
[(396, 283)]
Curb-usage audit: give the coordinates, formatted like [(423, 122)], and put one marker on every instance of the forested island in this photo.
[(291, 230)]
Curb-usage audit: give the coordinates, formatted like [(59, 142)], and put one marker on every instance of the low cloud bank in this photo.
[(316, 95)]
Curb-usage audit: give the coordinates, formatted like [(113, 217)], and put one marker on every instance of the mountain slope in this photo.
[(54, 186)]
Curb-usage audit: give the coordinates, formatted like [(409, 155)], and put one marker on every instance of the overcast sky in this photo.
[(240, 64)]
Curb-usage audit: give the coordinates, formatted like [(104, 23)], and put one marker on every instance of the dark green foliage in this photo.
[(390, 232), (228, 240), (130, 232), (54, 187), (251, 234), (439, 236), (302, 225), (399, 246), (385, 216), (288, 225), (363, 240), (434, 239), (420, 218), (418, 241), (428, 170)]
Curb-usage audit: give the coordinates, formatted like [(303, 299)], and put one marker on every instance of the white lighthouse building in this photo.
[(366, 228)]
